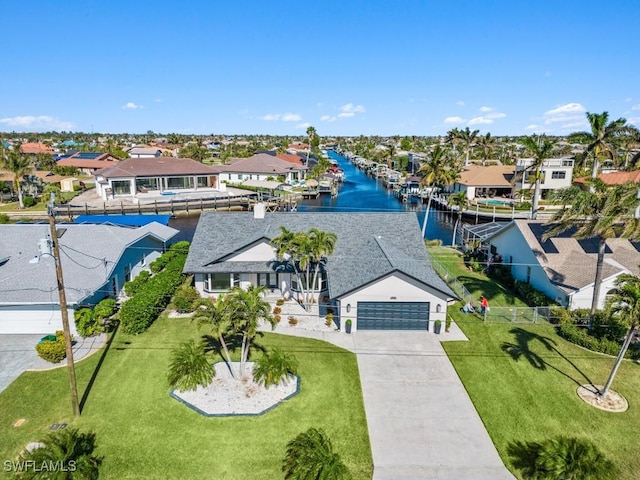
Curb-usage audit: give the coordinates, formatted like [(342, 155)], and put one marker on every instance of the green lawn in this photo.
[(144, 433), (522, 380)]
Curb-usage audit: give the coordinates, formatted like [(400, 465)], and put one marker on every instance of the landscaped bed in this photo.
[(144, 433), (523, 380)]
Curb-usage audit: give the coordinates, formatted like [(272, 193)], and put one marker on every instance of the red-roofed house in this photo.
[(615, 178), (32, 148), (88, 162), (291, 158)]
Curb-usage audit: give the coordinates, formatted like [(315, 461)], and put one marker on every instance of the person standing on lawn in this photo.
[(484, 306)]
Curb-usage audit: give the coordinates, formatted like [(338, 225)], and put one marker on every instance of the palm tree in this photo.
[(565, 458), (274, 367), (310, 456), (602, 137), (288, 248), (487, 145), (540, 149), (68, 449), (248, 307), (20, 166), (190, 368), (461, 201), (322, 245), (435, 172), (600, 212), (218, 314), (311, 133), (466, 138), (624, 302)]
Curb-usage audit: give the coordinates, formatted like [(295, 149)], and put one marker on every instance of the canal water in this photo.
[(359, 193)]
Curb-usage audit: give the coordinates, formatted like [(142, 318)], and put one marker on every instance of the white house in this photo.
[(379, 276), (556, 174), (562, 267), (261, 167), (96, 262), (144, 151)]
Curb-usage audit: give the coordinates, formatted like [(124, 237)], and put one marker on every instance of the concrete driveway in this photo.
[(17, 354)]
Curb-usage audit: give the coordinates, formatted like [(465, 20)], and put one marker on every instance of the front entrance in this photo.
[(393, 315), (269, 280)]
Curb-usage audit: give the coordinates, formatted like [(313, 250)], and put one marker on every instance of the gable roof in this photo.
[(571, 264), (369, 246), (143, 150), (88, 255), (32, 148), (615, 178), (156, 166), (261, 163), (88, 160), (488, 176), (291, 158)]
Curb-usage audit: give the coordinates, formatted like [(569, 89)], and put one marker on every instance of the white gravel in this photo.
[(229, 396)]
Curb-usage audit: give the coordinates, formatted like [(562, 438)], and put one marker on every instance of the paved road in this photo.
[(422, 424)]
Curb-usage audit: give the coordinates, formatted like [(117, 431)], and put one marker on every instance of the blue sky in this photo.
[(346, 67)]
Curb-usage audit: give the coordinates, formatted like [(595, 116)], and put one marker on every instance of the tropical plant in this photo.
[(540, 149), (274, 367), (460, 201), (466, 138), (184, 298), (435, 172), (322, 244), (19, 165), (624, 301), (565, 458), (70, 451), (218, 314), (190, 367), (52, 351), (487, 146), (310, 455), (600, 212), (602, 138)]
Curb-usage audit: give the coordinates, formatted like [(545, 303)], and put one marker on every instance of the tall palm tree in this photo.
[(540, 149), (218, 314), (466, 138), (311, 133), (292, 248), (190, 367), (248, 307), (600, 212), (435, 173), (624, 302), (488, 145), (69, 449), (310, 456), (601, 140), (19, 165), (323, 244), (461, 201)]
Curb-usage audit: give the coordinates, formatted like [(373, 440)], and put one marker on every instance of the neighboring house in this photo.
[(96, 262), (144, 152), (556, 174), (379, 276), (88, 162), (490, 180), (32, 148), (291, 158), (562, 267), (165, 174), (615, 178), (261, 167)]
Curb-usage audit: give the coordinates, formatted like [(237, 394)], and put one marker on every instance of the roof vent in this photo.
[(258, 210)]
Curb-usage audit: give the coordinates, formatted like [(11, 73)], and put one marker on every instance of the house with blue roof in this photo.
[(380, 275), (96, 262)]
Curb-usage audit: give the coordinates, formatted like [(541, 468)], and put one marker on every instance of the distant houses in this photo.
[(262, 167), (87, 162), (144, 152)]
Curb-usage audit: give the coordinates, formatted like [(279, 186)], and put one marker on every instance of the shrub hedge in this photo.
[(184, 298), (140, 311), (131, 287), (580, 336), (52, 351)]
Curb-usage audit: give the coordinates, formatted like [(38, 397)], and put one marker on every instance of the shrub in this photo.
[(184, 298), (293, 321), (277, 311), (447, 324), (436, 242), (328, 319), (531, 296), (85, 322), (131, 287), (29, 201), (280, 302), (274, 367), (190, 367), (104, 310), (51, 351), (277, 318), (4, 218)]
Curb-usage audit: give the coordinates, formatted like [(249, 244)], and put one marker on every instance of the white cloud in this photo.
[(496, 115), (533, 126), (131, 106), (346, 114), (454, 120), (636, 107), (319, 104), (285, 117), (325, 118), (484, 109), (634, 121), (480, 121), (303, 125), (567, 114), (346, 111), (41, 122), (628, 99), (460, 103), (351, 108)]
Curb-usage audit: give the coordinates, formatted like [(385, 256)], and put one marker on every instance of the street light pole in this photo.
[(63, 311)]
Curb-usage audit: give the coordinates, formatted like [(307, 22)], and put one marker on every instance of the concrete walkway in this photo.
[(422, 424)]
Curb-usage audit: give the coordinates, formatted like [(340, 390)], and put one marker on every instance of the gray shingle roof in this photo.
[(88, 253), (369, 245), (260, 163)]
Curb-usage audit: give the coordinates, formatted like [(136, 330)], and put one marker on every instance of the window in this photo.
[(558, 174), (202, 182), (217, 281), (114, 286), (235, 279), (121, 187), (240, 176), (567, 163), (268, 279), (127, 273), (528, 274)]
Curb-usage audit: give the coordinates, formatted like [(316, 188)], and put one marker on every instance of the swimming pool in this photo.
[(504, 203)]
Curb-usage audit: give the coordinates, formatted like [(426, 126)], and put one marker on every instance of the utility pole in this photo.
[(75, 405)]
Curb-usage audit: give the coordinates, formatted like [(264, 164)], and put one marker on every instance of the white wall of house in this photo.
[(583, 297), (557, 174), (396, 287), (232, 177), (262, 252), (33, 319)]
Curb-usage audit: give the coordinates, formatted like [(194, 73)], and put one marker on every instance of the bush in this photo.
[(328, 319), (274, 367), (131, 287), (531, 296), (4, 219), (29, 201), (293, 321), (580, 336), (51, 351), (277, 310), (184, 298), (104, 310), (190, 367), (280, 302), (85, 322), (277, 318)]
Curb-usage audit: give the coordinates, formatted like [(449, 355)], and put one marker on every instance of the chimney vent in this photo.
[(258, 210)]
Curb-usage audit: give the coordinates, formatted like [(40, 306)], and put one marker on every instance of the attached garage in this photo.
[(393, 315)]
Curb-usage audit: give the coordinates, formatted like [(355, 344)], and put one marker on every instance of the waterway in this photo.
[(359, 193)]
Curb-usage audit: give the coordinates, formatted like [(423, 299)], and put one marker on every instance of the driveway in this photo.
[(422, 424)]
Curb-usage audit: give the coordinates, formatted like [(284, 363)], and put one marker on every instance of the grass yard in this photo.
[(144, 433), (522, 380)]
